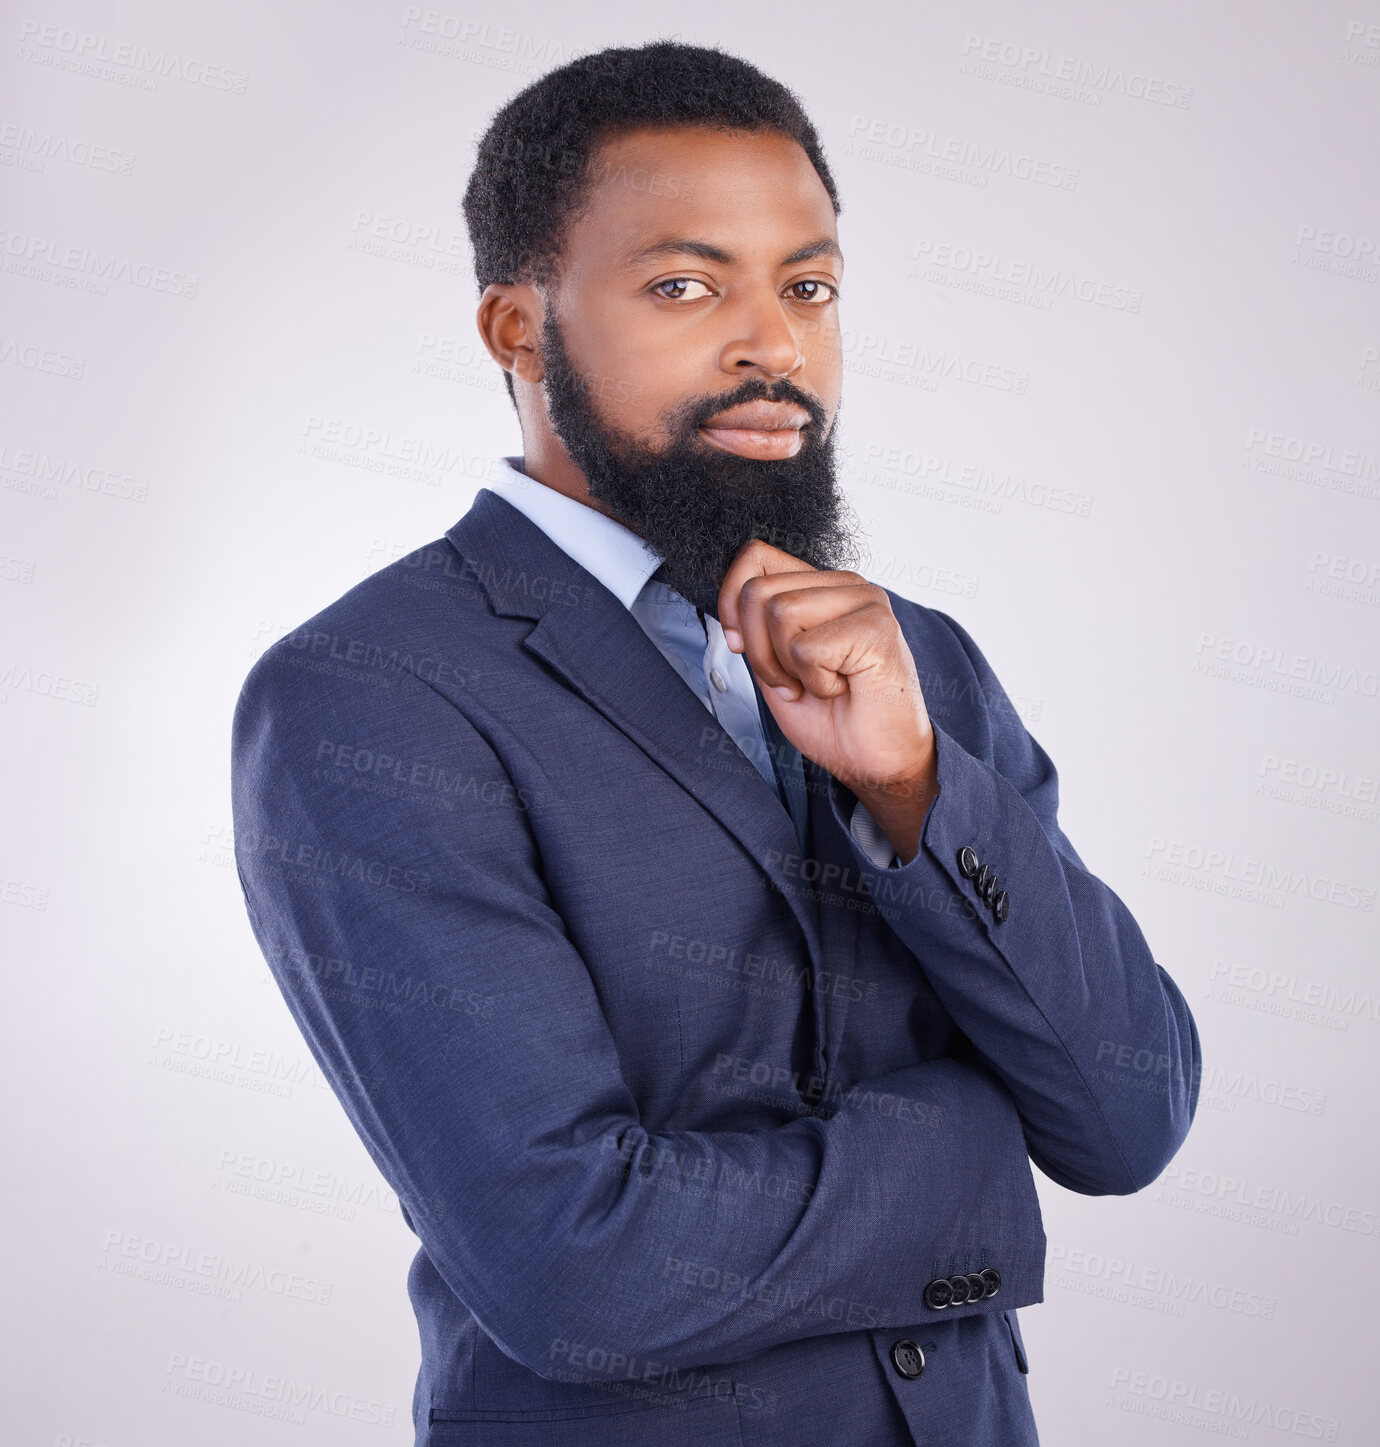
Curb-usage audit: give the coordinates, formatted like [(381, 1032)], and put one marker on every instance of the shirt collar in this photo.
[(612, 553)]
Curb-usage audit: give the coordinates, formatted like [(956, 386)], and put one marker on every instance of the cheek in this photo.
[(635, 387), (632, 376), (824, 367), (822, 342)]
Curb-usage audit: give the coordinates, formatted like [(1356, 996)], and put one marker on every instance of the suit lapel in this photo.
[(588, 637)]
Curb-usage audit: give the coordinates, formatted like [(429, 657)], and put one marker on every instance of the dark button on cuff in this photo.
[(967, 861), (982, 877), (956, 1290), (991, 889), (938, 1294), (907, 1358), (1001, 906)]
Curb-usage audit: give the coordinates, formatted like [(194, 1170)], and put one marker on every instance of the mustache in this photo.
[(687, 416)]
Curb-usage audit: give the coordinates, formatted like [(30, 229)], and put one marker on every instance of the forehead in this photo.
[(751, 193)]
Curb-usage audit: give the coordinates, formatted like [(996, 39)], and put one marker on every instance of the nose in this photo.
[(763, 340)]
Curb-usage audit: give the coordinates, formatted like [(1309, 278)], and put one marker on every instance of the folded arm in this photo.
[(1055, 984), (420, 954)]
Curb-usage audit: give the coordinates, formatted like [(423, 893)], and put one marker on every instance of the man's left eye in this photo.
[(813, 296)]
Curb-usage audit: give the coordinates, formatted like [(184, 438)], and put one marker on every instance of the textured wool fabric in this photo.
[(685, 1118)]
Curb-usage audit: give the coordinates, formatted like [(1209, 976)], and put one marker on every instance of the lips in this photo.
[(766, 431)]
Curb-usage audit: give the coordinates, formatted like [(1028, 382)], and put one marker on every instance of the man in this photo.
[(684, 921)]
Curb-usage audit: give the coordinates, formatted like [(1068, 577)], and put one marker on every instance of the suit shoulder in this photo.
[(420, 614), (928, 630), (961, 691)]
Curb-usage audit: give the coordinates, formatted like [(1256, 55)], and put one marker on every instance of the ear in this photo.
[(510, 322)]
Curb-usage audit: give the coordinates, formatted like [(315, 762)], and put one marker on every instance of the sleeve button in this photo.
[(938, 1294)]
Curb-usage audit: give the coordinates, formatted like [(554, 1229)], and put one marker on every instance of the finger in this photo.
[(754, 559), (789, 612), (848, 652), (758, 573), (772, 664)]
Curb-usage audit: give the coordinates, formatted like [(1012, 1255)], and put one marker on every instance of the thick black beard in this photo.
[(693, 504)]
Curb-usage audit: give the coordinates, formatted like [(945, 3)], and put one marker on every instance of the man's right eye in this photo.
[(680, 281)]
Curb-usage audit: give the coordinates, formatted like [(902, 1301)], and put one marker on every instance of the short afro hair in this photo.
[(532, 172)]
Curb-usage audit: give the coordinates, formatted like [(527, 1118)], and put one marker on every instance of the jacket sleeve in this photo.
[(1062, 997), (420, 954)]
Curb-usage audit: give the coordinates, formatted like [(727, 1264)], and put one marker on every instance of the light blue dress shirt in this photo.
[(624, 564)]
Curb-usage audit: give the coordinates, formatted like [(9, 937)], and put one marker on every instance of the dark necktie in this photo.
[(786, 759)]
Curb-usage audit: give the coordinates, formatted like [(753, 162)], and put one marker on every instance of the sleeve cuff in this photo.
[(871, 839)]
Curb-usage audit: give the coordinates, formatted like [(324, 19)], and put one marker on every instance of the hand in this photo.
[(839, 678)]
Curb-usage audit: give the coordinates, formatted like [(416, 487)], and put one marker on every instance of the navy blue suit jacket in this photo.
[(693, 1126)]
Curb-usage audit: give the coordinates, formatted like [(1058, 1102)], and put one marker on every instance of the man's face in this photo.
[(692, 359)]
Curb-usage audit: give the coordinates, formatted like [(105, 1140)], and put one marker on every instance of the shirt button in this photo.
[(717, 679)]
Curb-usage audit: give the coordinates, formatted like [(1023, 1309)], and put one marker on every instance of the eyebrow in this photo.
[(685, 246)]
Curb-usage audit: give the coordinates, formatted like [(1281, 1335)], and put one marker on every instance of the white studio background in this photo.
[(1113, 352)]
